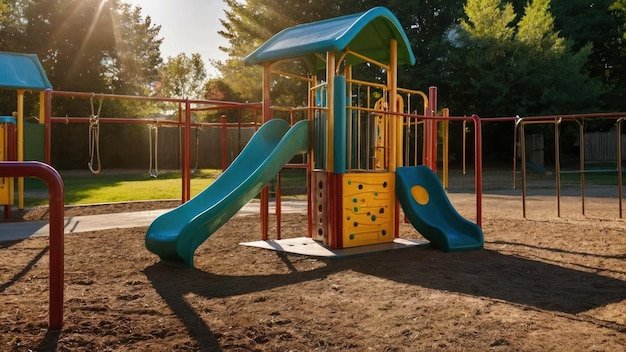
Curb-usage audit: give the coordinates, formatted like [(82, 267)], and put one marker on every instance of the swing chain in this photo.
[(94, 137)]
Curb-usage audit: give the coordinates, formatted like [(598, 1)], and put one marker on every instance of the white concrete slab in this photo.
[(310, 247)]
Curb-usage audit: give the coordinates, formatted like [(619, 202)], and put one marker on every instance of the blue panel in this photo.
[(337, 34), (22, 71), (339, 138), (7, 119)]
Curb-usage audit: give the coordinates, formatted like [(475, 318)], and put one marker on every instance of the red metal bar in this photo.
[(278, 204), (11, 155), (58, 93), (187, 154), (120, 120), (56, 207), (432, 104)]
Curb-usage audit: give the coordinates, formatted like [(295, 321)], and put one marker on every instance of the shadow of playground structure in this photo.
[(485, 273)]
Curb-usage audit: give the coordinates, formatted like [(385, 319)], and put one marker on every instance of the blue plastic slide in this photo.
[(429, 210), (175, 235)]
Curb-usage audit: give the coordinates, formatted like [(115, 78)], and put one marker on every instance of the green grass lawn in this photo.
[(85, 188)]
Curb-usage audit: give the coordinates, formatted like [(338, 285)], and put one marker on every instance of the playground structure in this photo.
[(354, 145), (360, 166)]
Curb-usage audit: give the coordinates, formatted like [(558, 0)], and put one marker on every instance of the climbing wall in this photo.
[(368, 208)]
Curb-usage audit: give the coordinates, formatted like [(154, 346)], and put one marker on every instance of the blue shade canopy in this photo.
[(22, 71), (366, 33)]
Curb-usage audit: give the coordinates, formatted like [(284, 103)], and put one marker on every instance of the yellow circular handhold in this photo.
[(420, 194)]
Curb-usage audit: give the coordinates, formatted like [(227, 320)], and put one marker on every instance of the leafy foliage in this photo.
[(183, 77), (491, 57), (525, 68)]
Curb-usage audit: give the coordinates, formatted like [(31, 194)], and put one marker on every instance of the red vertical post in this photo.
[(278, 206), (224, 144), (187, 153), (426, 132), (11, 155), (56, 205), (432, 103)]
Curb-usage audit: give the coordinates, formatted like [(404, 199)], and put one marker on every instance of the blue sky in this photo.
[(188, 26)]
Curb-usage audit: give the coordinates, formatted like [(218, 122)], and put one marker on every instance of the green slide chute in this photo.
[(175, 235), (429, 210)]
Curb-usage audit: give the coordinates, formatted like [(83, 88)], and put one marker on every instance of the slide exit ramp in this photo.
[(175, 235), (429, 210)]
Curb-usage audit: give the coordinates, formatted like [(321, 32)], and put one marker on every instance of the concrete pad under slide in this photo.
[(308, 246)]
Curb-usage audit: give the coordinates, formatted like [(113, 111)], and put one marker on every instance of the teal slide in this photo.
[(175, 235), (429, 210)]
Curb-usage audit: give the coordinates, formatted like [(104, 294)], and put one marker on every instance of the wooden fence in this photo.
[(602, 146), (206, 146)]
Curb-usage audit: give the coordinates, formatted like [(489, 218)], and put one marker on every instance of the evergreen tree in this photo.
[(132, 67), (507, 69), (247, 26), (613, 67), (481, 59)]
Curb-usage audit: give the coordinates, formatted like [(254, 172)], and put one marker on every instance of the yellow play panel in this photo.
[(308, 246)]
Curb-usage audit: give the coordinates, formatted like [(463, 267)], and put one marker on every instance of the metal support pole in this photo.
[(56, 205)]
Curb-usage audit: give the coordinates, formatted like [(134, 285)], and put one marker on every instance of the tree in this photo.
[(428, 24), (488, 20), (521, 69), (247, 26), (132, 67), (84, 45), (480, 59), (218, 89), (183, 77), (614, 67), (544, 61)]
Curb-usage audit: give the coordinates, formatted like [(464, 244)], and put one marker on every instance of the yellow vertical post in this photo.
[(267, 108), (311, 117), (42, 107), (395, 154), (330, 108), (20, 146)]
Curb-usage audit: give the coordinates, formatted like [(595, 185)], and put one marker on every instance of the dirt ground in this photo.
[(542, 283)]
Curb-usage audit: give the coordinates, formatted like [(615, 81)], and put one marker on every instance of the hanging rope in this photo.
[(198, 130), (94, 138), (153, 129)]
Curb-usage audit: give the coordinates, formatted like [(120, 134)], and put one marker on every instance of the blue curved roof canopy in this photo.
[(366, 33), (22, 71)]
